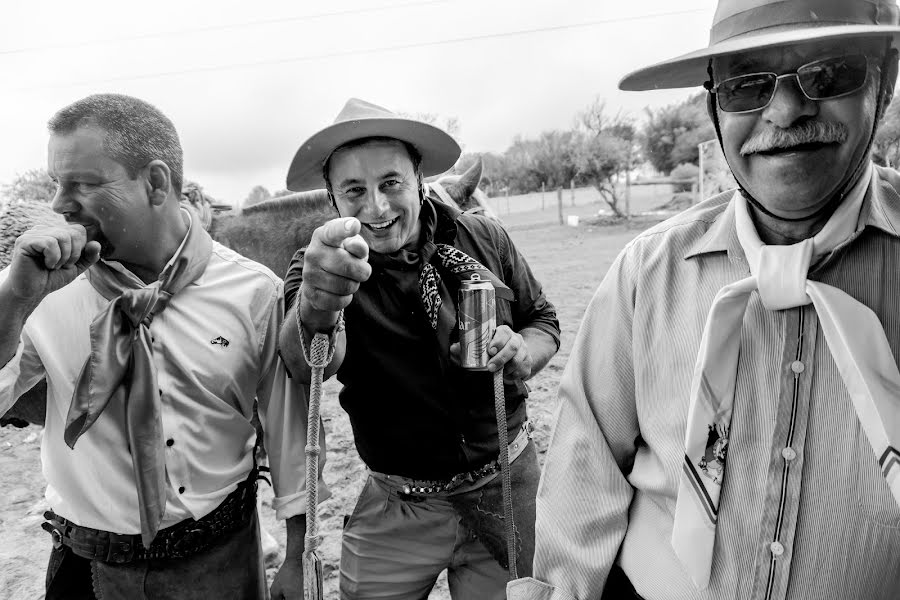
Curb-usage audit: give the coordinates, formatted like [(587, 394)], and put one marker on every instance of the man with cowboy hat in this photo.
[(393, 263), (729, 419)]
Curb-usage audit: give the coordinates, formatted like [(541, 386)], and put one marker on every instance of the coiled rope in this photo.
[(320, 353)]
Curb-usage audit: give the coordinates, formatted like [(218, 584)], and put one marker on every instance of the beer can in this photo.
[(477, 321)]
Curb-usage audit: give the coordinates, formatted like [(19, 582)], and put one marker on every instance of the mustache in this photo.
[(810, 132)]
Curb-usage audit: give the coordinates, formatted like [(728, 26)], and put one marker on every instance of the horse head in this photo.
[(462, 191)]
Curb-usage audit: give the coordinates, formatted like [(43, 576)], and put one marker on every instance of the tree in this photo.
[(671, 134), (607, 149), (257, 194), (449, 124), (31, 186)]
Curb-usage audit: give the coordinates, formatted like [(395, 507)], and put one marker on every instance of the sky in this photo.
[(245, 83)]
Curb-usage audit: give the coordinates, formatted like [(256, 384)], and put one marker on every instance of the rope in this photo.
[(320, 353), (318, 359), (500, 406)]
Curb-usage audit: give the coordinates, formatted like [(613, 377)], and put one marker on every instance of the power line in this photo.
[(224, 27), (346, 53)]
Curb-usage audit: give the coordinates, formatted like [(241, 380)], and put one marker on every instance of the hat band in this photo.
[(812, 13)]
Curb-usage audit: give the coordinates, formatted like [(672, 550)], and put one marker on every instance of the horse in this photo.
[(269, 232)]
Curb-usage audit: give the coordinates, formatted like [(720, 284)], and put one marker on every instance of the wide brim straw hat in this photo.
[(360, 119), (744, 25)]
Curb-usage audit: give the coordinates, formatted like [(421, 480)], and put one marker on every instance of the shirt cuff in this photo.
[(528, 588), (9, 375), (295, 504)]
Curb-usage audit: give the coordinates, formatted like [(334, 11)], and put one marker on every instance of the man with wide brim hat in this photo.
[(359, 120), (383, 280), (730, 414)]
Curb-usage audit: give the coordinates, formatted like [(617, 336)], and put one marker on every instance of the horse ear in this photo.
[(471, 178)]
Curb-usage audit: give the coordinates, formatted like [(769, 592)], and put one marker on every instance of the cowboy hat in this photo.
[(742, 25), (360, 119)]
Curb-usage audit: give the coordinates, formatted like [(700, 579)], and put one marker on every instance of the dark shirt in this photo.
[(413, 412)]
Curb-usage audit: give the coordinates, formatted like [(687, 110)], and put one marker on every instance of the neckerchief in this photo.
[(120, 367), (435, 257), (854, 336)]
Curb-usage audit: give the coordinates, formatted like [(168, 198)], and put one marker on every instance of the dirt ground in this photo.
[(569, 261)]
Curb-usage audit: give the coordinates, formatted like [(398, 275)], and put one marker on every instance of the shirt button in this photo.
[(776, 548), (181, 491), (797, 367), (169, 442), (788, 453)]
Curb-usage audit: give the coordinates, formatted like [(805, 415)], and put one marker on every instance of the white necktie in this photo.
[(853, 333)]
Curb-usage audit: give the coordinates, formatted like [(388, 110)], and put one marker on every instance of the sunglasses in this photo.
[(818, 80)]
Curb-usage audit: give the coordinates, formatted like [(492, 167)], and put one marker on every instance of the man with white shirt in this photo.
[(154, 341), (729, 418)]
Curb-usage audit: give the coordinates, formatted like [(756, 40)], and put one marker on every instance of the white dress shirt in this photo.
[(215, 348)]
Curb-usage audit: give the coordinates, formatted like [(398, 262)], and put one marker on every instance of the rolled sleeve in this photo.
[(283, 411), (9, 376), (21, 373), (284, 419)]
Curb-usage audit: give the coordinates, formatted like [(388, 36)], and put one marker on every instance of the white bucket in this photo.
[(572, 220)]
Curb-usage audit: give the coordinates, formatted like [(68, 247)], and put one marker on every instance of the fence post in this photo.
[(543, 190), (572, 189), (701, 161), (628, 194), (559, 204)]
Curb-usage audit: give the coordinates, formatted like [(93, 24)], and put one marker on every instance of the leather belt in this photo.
[(419, 487), (187, 538)]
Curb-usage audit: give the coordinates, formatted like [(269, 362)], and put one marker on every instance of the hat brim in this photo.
[(438, 149), (690, 70)]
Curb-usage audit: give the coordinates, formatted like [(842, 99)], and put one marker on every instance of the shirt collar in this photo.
[(880, 209), (720, 237)]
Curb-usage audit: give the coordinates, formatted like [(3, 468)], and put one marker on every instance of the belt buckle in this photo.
[(119, 551), (188, 542)]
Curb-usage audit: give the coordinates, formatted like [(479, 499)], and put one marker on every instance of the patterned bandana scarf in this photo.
[(460, 265), (854, 336), (434, 259), (120, 367)]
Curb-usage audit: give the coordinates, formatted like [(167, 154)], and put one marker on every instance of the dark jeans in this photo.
[(233, 568)]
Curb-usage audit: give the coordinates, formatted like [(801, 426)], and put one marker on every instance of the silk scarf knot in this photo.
[(855, 338), (121, 369)]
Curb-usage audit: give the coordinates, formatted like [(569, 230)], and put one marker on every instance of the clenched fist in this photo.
[(46, 259), (335, 264)]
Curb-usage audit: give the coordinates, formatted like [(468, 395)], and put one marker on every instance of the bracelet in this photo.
[(338, 327)]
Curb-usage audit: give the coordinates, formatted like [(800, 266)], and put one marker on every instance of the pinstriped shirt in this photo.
[(805, 512)]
